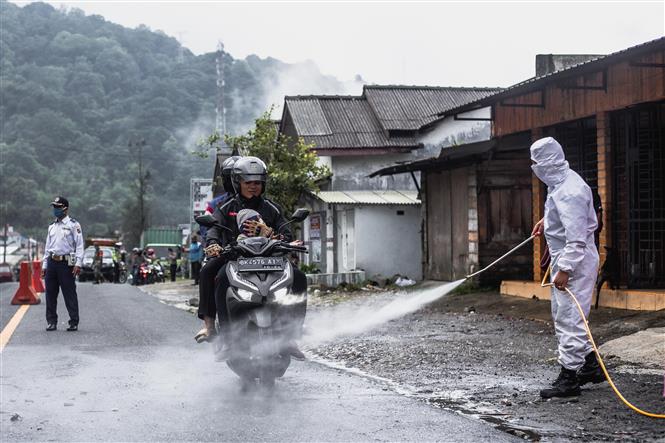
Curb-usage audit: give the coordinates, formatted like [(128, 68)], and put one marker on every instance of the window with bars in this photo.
[(638, 146)]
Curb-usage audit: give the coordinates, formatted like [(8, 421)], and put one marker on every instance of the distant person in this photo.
[(97, 261), (195, 256), (173, 263), (63, 257)]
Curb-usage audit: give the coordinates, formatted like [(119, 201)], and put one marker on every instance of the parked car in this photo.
[(88, 273), (6, 273)]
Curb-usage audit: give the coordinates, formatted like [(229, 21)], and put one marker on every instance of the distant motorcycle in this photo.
[(264, 314), (157, 272)]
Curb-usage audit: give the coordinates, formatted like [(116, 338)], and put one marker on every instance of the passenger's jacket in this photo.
[(271, 213), (570, 218)]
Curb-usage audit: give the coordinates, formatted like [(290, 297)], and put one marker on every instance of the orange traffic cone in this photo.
[(37, 282), (26, 294)]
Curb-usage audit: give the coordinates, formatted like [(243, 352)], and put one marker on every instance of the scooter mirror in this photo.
[(300, 215), (206, 220)]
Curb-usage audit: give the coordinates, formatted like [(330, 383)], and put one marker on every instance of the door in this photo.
[(447, 224)]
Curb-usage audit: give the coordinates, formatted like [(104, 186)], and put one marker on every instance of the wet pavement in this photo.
[(487, 356), (134, 373)]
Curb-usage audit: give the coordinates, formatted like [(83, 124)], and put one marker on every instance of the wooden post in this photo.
[(538, 211), (604, 148)]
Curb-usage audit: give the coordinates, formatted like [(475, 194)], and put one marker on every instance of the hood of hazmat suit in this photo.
[(570, 223)]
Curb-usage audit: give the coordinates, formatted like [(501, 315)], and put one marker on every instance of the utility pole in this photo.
[(143, 177), (4, 249)]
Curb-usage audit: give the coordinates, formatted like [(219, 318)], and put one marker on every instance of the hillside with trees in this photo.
[(78, 94)]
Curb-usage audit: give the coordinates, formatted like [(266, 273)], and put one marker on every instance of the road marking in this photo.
[(6, 333)]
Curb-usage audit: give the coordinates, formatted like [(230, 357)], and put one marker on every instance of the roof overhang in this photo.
[(461, 155), (368, 197), (539, 83), (333, 152)]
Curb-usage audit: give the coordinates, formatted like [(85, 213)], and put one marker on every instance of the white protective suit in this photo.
[(570, 223)]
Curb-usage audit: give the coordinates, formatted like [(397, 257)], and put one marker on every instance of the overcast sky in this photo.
[(444, 43)]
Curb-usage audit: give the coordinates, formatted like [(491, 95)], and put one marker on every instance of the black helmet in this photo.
[(227, 169), (249, 169)]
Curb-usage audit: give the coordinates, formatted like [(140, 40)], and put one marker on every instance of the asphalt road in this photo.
[(134, 373)]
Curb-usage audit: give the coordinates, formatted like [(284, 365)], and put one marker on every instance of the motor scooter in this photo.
[(264, 313)]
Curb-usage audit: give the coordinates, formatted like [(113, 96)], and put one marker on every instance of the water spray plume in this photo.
[(352, 320)]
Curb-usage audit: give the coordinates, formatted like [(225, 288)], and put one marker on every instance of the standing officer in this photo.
[(63, 257)]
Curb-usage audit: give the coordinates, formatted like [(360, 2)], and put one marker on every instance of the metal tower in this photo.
[(220, 110)]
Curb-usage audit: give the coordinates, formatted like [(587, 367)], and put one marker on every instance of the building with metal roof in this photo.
[(608, 113)]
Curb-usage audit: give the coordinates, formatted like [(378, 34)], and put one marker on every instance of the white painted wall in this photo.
[(387, 243)]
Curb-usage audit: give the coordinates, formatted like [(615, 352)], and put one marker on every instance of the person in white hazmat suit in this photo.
[(569, 225)]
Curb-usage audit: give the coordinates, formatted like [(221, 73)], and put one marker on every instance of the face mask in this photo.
[(58, 212)]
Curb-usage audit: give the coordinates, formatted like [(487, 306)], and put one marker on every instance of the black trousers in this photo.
[(207, 306), (222, 284), (59, 276), (196, 267), (174, 269)]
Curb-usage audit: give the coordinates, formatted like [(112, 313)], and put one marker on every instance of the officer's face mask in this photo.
[(58, 212)]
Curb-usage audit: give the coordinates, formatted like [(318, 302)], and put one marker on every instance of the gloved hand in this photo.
[(254, 228), (213, 250)]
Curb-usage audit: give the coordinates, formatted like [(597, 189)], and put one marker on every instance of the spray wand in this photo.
[(586, 326), (500, 258)]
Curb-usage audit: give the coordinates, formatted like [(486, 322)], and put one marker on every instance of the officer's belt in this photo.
[(58, 257)]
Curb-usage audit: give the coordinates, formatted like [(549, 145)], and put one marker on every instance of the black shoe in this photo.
[(52, 327), (565, 385), (591, 372), (293, 350), (73, 328)]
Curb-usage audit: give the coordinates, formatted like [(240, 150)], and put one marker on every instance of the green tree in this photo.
[(292, 164)]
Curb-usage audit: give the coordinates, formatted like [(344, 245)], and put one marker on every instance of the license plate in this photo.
[(261, 264)]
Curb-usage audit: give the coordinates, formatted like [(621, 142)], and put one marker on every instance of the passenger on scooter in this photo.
[(207, 309), (249, 179)]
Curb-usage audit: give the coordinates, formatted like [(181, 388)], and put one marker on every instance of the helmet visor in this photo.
[(253, 177)]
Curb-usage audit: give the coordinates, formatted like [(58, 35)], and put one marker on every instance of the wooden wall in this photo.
[(626, 85), (447, 224), (505, 215)]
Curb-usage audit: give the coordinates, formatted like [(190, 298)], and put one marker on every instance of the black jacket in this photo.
[(271, 213)]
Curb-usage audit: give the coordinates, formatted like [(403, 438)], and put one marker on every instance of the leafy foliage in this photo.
[(292, 164), (76, 90)]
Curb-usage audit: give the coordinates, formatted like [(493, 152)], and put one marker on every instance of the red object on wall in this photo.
[(37, 282), (26, 294)]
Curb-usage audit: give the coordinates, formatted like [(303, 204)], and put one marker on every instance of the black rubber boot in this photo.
[(565, 385), (591, 372)]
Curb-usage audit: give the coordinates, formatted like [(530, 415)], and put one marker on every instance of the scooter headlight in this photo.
[(245, 294)]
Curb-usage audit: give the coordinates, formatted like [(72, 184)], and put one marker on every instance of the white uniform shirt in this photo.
[(64, 237)]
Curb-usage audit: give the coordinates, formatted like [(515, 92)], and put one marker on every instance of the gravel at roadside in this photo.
[(488, 355)]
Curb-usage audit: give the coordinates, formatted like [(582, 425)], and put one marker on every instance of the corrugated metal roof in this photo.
[(411, 107), (535, 82), (341, 122), (369, 197), (308, 117)]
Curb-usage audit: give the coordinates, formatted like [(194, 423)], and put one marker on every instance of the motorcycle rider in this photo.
[(249, 180), (207, 309)]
